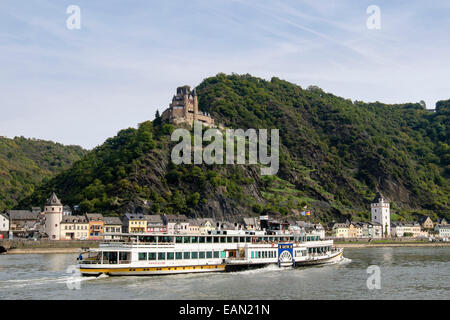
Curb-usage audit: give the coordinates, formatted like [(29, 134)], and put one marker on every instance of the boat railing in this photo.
[(89, 261), (130, 244)]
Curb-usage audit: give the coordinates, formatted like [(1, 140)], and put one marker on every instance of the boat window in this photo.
[(259, 254), (209, 239), (216, 239), (209, 254), (178, 255), (161, 256), (259, 239), (266, 239), (242, 239), (170, 255), (110, 257), (194, 239), (216, 254), (124, 256), (142, 255), (187, 239), (222, 239), (179, 239), (201, 254), (186, 255), (152, 256), (201, 240), (236, 239), (223, 254), (229, 239), (194, 255)]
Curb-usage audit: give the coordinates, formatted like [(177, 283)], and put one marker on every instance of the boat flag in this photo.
[(308, 213)]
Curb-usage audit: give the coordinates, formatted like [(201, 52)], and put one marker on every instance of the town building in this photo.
[(155, 224), (113, 228), (176, 223), (443, 231), (352, 230), (67, 211), (407, 229), (96, 226), (377, 230), (366, 229), (74, 228), (134, 223), (206, 226), (36, 210), (251, 223), (339, 230), (380, 213), (194, 226), (4, 225), (426, 223), (20, 222), (184, 109)]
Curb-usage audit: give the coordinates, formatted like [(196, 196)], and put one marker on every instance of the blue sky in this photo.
[(82, 86)]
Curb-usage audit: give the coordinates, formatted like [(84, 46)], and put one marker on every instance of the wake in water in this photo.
[(20, 283)]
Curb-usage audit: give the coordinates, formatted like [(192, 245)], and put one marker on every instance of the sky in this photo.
[(81, 86)]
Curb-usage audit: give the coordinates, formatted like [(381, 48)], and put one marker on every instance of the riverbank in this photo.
[(43, 250), (390, 244), (44, 246), (68, 246)]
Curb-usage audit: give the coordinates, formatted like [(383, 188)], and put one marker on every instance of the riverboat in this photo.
[(230, 250)]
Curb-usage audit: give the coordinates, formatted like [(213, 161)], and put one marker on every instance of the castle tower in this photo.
[(53, 216), (184, 109), (380, 212)]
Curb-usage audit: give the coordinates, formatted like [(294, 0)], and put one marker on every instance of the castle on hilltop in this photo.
[(184, 109)]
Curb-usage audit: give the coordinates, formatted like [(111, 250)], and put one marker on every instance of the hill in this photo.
[(25, 163), (335, 155)]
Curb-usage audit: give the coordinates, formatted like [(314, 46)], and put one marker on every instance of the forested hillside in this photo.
[(335, 155), (25, 163)]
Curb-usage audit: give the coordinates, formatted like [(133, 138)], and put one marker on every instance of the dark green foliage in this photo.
[(26, 162), (335, 155)]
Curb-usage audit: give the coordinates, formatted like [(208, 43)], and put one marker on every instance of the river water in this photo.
[(405, 273)]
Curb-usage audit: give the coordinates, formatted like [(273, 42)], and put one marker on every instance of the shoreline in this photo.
[(76, 249), (42, 250), (379, 245)]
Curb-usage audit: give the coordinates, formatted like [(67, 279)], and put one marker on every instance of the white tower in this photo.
[(380, 212), (53, 216)]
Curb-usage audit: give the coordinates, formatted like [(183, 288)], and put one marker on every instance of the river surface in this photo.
[(405, 273)]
